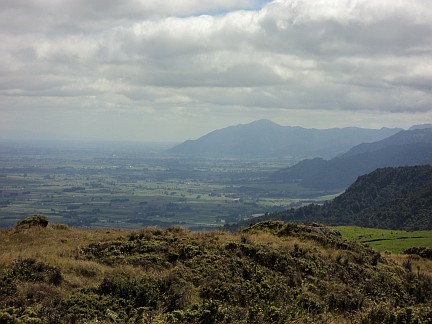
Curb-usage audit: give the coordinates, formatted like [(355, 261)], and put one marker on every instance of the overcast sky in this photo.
[(173, 70)]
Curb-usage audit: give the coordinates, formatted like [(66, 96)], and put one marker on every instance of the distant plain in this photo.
[(130, 185)]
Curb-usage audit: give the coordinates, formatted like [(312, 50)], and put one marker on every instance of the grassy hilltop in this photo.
[(270, 272)]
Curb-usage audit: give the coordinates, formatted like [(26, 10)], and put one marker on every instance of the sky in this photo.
[(150, 70)]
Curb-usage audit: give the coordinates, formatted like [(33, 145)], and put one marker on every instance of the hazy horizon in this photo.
[(168, 72), (155, 142)]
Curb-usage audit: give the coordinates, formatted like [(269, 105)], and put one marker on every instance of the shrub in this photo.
[(35, 271), (33, 221), (8, 290), (424, 252), (380, 314), (83, 307), (13, 315), (139, 292), (48, 299), (61, 227)]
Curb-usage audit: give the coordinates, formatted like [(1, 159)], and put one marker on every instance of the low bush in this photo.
[(35, 271), (424, 252), (33, 221)]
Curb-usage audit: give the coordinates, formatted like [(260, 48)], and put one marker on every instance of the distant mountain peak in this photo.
[(265, 138), (264, 122)]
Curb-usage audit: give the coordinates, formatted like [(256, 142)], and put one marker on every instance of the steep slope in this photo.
[(421, 126), (405, 148), (409, 137), (393, 198), (264, 138), (268, 273)]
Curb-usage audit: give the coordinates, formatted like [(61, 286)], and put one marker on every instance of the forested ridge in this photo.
[(393, 198)]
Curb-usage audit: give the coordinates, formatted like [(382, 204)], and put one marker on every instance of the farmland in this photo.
[(387, 240), (130, 185)]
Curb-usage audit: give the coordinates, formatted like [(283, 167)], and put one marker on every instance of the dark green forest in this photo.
[(391, 198)]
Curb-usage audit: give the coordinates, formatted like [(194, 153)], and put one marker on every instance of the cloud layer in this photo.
[(182, 61)]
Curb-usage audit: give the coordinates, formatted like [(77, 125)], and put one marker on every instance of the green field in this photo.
[(387, 240)]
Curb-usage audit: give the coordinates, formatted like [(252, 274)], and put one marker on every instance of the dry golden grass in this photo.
[(57, 245), (49, 242), (259, 253), (418, 264)]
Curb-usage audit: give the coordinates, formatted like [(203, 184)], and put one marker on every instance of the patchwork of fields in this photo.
[(129, 186)]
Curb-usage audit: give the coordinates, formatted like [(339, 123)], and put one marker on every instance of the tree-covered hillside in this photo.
[(268, 273), (393, 198)]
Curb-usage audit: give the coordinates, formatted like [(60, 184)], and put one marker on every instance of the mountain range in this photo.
[(264, 138), (405, 148)]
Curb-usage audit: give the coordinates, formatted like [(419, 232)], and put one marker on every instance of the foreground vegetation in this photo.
[(270, 272)]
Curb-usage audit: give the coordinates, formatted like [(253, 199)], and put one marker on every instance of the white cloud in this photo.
[(198, 58), (64, 16)]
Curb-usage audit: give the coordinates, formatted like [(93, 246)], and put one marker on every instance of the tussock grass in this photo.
[(271, 272), (417, 264), (57, 245)]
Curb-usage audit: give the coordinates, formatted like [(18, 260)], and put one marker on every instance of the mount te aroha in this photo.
[(405, 148), (393, 198), (264, 138)]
